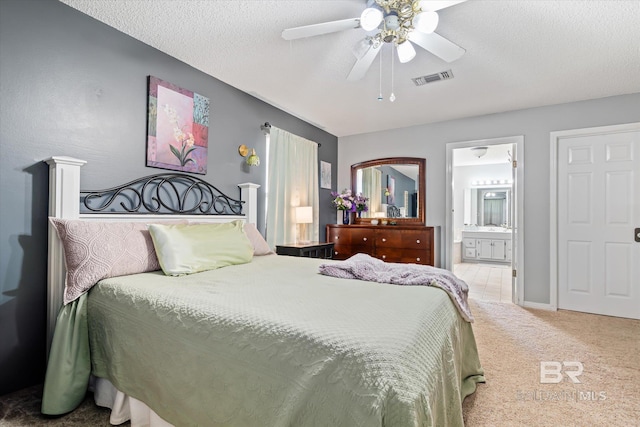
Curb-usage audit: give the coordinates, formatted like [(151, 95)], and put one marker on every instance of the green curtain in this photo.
[(69, 365)]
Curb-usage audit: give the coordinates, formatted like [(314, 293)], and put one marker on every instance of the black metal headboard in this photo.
[(170, 193)]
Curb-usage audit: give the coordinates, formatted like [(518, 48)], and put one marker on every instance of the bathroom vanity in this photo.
[(487, 244)]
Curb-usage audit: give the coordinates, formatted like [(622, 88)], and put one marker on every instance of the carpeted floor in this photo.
[(512, 342), (22, 409)]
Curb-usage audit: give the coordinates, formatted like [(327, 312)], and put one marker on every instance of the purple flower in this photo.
[(347, 201)]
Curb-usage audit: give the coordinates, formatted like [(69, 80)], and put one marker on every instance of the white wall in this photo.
[(535, 124)]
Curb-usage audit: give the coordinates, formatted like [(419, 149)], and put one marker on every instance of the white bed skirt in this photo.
[(124, 408)]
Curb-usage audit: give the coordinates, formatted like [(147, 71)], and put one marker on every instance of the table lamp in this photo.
[(304, 216)]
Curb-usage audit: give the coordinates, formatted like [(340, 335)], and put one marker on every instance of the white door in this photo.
[(598, 201)]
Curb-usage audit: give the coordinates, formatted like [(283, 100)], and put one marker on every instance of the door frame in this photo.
[(553, 194), (518, 140)]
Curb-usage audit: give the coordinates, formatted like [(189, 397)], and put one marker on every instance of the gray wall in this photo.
[(70, 85), (535, 124)]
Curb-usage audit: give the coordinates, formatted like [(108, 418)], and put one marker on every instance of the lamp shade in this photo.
[(304, 215), (253, 159)]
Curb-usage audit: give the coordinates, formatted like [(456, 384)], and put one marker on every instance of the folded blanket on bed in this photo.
[(365, 267)]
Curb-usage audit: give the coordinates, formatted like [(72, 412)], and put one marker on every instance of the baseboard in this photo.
[(538, 306)]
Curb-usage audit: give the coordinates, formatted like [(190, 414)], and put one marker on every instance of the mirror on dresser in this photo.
[(394, 187)]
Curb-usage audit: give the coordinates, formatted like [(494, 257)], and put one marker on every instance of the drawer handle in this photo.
[(384, 240), (337, 237), (418, 259), (364, 238), (384, 257), (336, 252), (418, 241)]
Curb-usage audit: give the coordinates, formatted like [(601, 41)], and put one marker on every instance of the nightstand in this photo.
[(309, 250)]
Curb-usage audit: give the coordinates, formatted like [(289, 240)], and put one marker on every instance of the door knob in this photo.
[(637, 234)]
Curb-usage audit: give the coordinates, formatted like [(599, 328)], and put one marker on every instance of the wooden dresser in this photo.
[(391, 243)]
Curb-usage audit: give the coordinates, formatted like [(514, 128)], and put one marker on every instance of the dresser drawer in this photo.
[(388, 239), (469, 243), (363, 237), (342, 251), (411, 256), (406, 239), (338, 236)]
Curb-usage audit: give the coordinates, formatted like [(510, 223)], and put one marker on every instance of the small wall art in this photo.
[(325, 175), (178, 128)]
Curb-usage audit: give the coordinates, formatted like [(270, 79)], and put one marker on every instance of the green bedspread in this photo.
[(274, 343)]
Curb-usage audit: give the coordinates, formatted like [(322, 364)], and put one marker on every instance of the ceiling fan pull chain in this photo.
[(380, 79), (392, 97)]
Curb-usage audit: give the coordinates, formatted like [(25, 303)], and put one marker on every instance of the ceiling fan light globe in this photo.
[(370, 18), (426, 22), (406, 52)]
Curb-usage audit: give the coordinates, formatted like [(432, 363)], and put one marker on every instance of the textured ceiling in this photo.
[(520, 54)]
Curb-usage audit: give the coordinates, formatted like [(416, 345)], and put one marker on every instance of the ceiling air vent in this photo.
[(443, 75)]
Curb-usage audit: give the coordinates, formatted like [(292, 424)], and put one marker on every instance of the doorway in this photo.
[(483, 239)]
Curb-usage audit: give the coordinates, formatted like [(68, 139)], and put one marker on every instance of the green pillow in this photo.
[(190, 248)]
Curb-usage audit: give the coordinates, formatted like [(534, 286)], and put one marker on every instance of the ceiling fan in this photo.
[(397, 22)]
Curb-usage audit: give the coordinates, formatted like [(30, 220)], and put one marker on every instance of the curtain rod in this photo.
[(266, 128)]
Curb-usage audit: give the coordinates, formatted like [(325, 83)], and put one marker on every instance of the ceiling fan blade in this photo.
[(362, 65), (438, 45), (434, 5), (318, 29)]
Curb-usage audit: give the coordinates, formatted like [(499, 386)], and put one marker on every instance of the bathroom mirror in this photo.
[(488, 207), (394, 187)]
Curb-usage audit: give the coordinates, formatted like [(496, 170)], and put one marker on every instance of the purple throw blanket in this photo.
[(365, 267)]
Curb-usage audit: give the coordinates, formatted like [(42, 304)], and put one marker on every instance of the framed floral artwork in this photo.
[(178, 128)]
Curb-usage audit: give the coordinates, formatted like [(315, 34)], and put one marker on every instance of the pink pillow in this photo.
[(95, 250), (260, 246)]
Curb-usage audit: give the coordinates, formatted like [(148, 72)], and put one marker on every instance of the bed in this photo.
[(270, 342)]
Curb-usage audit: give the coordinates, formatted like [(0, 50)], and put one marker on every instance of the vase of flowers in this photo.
[(344, 202), (348, 202)]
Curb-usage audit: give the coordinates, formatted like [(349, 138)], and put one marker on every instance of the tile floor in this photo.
[(489, 282)]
